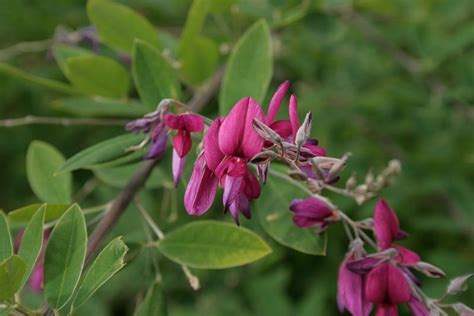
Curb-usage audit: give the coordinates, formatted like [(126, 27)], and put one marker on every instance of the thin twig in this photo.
[(25, 47), (65, 121)]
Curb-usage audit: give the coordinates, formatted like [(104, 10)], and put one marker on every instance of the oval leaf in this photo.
[(24, 214), (249, 69), (31, 242), (104, 151), (154, 78), (97, 75), (109, 261), (118, 26), (213, 245), (88, 107), (12, 270), (63, 52), (154, 302), (6, 247), (42, 160), (64, 257), (276, 219)]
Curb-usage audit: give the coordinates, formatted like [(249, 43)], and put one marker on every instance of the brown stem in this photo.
[(65, 121)]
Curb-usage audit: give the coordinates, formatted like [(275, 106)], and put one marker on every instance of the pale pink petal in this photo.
[(212, 152), (386, 224), (201, 189), (294, 120), (178, 165), (275, 102)]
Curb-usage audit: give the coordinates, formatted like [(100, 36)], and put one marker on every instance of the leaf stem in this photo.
[(64, 121)]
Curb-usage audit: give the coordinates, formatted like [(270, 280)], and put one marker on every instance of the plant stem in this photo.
[(65, 121)]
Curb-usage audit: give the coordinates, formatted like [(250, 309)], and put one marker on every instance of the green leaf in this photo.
[(154, 302), (63, 52), (194, 22), (118, 26), (213, 245), (24, 214), (199, 60), (109, 261), (87, 107), (154, 78), (97, 75), (12, 271), (249, 69), (5, 310), (119, 176), (31, 242), (6, 247), (42, 160), (64, 257), (43, 82), (104, 151), (276, 219)]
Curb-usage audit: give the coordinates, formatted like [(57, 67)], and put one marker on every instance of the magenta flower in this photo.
[(351, 286), (310, 212), (229, 145), (151, 123), (185, 124)]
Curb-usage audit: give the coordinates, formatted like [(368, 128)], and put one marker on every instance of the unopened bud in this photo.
[(266, 132), (351, 182), (369, 178), (459, 284), (429, 270), (304, 131), (394, 167), (297, 175), (462, 309), (367, 223), (337, 167), (314, 186)]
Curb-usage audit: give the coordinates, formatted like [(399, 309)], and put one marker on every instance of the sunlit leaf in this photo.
[(97, 75), (118, 26), (24, 214), (109, 261), (64, 257), (100, 108), (249, 69), (213, 245), (42, 161)]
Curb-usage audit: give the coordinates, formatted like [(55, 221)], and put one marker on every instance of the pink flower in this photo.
[(185, 124), (351, 286), (229, 145), (151, 123), (311, 212)]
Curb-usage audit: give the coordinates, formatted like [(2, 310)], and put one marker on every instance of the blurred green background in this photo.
[(384, 79)]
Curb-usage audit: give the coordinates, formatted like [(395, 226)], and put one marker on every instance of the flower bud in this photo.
[(459, 284), (304, 131), (462, 309), (429, 270), (266, 132), (351, 182)]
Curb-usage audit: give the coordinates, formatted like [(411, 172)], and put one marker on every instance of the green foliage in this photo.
[(213, 245), (24, 214), (276, 219), (64, 257), (63, 52), (100, 108), (109, 261), (249, 68), (119, 26), (119, 176), (6, 247), (102, 152), (12, 270), (97, 75), (154, 78), (31, 242), (154, 302), (42, 161)]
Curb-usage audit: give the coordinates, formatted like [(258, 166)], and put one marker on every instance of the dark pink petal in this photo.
[(364, 265), (212, 152), (406, 256), (178, 165), (240, 205), (201, 189), (303, 221), (417, 308), (386, 224), (232, 189), (283, 128), (173, 121), (398, 288), (311, 207), (236, 135), (387, 310), (182, 143), (275, 102), (193, 122), (37, 277), (236, 167), (376, 284), (294, 120), (350, 291), (316, 150), (251, 185)]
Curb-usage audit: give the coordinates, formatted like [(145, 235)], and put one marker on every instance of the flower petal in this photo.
[(398, 289), (283, 128), (376, 285), (178, 164), (232, 189), (417, 308), (294, 120), (37, 277), (387, 310), (275, 102), (158, 145), (182, 142), (386, 224), (193, 122), (174, 121), (406, 256), (311, 207), (366, 264), (212, 152), (201, 189)]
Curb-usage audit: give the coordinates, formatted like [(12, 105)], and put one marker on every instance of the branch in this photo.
[(64, 121), (24, 47)]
